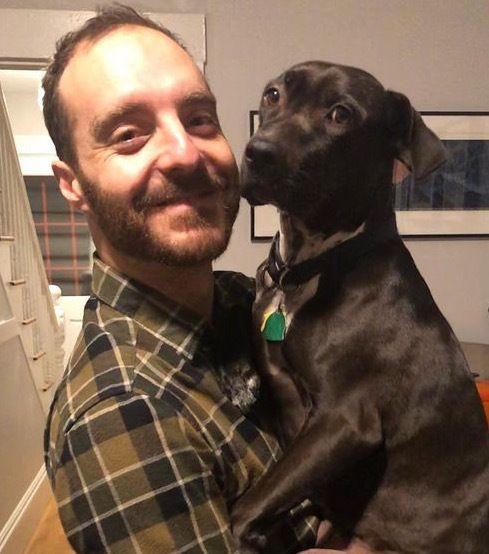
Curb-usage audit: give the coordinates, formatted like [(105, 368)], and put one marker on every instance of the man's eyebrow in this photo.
[(198, 97), (100, 128)]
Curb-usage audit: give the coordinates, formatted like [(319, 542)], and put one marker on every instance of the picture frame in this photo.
[(453, 202)]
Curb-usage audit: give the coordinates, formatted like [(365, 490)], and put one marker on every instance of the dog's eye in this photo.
[(271, 96), (339, 115)]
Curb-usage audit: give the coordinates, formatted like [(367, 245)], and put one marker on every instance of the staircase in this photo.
[(30, 360)]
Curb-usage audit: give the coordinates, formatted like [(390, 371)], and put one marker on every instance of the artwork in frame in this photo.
[(451, 202), (63, 236)]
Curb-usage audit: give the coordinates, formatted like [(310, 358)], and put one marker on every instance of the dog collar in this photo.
[(341, 256)]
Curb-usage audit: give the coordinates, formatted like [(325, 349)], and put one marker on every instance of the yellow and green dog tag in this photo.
[(273, 326)]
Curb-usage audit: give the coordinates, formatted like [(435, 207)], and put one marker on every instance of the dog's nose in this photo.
[(261, 154)]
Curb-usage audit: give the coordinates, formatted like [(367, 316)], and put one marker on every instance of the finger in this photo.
[(323, 532), (358, 547)]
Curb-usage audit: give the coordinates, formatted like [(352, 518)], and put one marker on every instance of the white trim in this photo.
[(21, 524), (459, 127), (411, 223), (443, 222)]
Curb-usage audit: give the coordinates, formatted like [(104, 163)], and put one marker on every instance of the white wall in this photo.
[(435, 51)]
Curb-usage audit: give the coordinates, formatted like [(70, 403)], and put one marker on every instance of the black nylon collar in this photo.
[(343, 255)]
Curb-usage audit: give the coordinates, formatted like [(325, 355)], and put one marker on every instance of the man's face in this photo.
[(158, 175)]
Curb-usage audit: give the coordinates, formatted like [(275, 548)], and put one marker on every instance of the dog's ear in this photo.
[(417, 147)]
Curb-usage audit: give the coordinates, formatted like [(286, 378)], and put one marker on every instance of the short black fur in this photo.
[(381, 421)]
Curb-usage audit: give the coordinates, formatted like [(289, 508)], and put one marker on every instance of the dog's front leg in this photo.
[(327, 445), (289, 401)]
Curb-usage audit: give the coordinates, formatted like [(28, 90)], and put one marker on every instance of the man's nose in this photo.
[(177, 152)]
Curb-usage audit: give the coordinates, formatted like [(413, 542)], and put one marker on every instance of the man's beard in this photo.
[(126, 227)]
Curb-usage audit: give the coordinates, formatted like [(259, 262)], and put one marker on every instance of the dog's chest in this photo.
[(274, 295), (272, 299)]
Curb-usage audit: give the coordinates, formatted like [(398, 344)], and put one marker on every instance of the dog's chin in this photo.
[(253, 186), (251, 192), (252, 200)]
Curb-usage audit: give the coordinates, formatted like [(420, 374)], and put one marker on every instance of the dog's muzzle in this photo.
[(260, 169), (262, 156)]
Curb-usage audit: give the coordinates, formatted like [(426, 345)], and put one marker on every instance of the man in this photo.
[(147, 444), (155, 429)]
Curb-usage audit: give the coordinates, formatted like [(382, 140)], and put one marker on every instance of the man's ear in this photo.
[(417, 147), (69, 185)]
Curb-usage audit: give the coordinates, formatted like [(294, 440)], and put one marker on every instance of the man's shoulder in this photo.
[(103, 326), (101, 364), (104, 330), (106, 359)]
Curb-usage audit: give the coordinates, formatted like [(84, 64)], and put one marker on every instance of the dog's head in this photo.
[(326, 145)]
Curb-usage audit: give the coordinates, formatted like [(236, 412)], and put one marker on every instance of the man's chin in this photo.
[(184, 219), (196, 246), (181, 236), (191, 237), (186, 249)]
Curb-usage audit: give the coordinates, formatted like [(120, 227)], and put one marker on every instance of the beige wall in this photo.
[(435, 51)]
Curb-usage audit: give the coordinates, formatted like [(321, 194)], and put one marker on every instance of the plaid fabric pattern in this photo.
[(63, 235), (144, 451)]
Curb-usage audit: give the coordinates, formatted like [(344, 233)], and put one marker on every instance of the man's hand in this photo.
[(355, 547)]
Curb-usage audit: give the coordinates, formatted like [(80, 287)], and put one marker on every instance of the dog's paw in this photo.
[(256, 540), (247, 549), (244, 549), (252, 543), (249, 540)]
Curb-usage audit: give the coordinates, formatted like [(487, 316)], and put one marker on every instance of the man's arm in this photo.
[(134, 476)]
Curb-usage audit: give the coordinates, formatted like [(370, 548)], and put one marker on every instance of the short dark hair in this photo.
[(107, 19)]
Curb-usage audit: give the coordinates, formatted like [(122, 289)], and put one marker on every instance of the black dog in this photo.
[(382, 423)]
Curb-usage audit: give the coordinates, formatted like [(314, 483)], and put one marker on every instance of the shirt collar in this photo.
[(182, 327)]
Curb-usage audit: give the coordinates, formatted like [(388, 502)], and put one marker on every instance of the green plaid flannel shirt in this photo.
[(144, 451)]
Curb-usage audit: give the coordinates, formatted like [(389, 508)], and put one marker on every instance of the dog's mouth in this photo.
[(286, 188), (251, 195), (255, 188), (262, 170)]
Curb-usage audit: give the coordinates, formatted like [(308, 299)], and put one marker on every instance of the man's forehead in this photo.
[(123, 51), (122, 44)]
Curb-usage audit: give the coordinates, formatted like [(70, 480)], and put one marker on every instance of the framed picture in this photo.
[(451, 202)]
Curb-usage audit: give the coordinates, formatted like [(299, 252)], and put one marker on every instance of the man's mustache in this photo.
[(176, 189)]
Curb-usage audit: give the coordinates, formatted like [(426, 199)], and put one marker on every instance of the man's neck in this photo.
[(191, 287)]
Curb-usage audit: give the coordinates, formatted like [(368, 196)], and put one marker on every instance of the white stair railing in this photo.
[(36, 313)]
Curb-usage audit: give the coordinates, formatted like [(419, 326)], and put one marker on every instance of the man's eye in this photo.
[(201, 120), (204, 125), (125, 135), (129, 140)]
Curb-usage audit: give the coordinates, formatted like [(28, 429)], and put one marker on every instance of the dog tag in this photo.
[(273, 326)]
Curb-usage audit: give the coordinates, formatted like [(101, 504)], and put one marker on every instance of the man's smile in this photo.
[(182, 203)]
